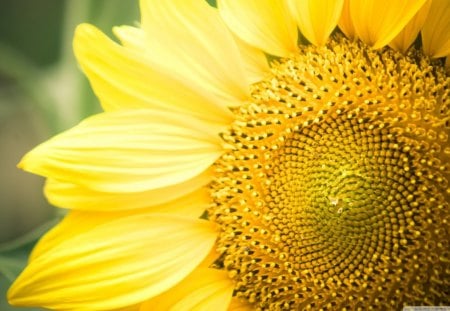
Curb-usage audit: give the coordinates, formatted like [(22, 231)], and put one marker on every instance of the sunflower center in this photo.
[(334, 192)]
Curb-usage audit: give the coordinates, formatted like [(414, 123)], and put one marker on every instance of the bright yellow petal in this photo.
[(67, 195), (204, 289), (196, 45), (256, 65), (131, 37), (316, 18), (73, 224), (77, 222), (192, 204), (265, 24), (436, 31), (240, 305), (127, 151), (124, 77), (134, 307), (377, 22), (345, 22), (407, 36), (115, 264)]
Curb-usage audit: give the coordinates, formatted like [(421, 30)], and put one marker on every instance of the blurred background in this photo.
[(42, 92)]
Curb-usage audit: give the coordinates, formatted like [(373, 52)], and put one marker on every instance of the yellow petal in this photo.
[(195, 45), (436, 31), (131, 37), (240, 305), (135, 307), (73, 224), (265, 24), (256, 65), (127, 151), (67, 195), (191, 205), (204, 289), (407, 36), (125, 77), (377, 22), (316, 18), (115, 264), (345, 22)]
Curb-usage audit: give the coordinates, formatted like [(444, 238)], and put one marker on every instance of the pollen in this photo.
[(334, 190)]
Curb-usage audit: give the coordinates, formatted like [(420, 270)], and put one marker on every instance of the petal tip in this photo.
[(25, 163), (13, 295), (21, 164)]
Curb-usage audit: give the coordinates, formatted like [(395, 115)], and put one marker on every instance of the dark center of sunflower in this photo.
[(334, 192)]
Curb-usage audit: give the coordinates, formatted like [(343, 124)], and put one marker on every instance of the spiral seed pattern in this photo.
[(334, 191)]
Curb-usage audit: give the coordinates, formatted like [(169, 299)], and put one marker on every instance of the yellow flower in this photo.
[(323, 166)]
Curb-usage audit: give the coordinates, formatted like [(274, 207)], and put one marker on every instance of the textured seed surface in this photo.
[(335, 190)]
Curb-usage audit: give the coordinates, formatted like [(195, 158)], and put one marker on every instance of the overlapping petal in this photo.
[(316, 18), (345, 21), (436, 30), (134, 307), (73, 224), (131, 37), (265, 24), (377, 22), (203, 289), (256, 64), (183, 202), (407, 36), (114, 263), (73, 196), (78, 222), (127, 151), (124, 77), (196, 45)]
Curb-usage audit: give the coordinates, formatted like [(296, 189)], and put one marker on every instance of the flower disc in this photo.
[(334, 192)]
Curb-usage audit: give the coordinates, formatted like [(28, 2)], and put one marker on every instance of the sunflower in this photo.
[(261, 155)]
